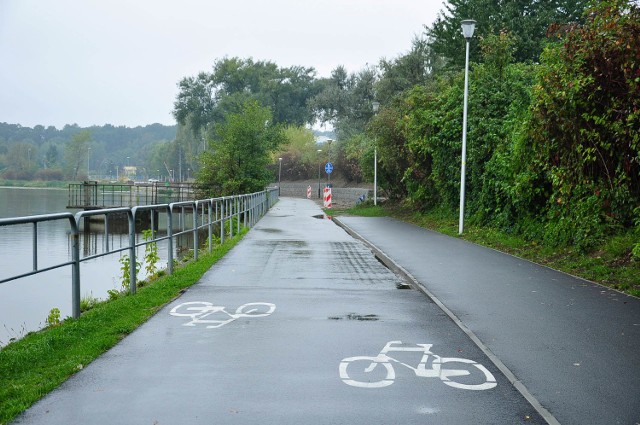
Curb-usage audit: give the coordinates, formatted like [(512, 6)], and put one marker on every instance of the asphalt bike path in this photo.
[(568, 344), (298, 324)]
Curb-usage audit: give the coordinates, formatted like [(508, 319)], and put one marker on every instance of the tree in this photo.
[(345, 100), (21, 159), (405, 71), (206, 99), (51, 156), (240, 156), (298, 152), (75, 153), (528, 21)]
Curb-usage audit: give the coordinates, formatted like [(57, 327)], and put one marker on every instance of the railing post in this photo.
[(210, 224), (132, 253), (170, 239), (222, 221), (252, 215), (75, 273), (106, 233), (238, 211), (34, 249), (196, 244), (244, 209), (231, 217)]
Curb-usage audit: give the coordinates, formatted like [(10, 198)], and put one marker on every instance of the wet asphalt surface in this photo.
[(274, 336), (573, 344)]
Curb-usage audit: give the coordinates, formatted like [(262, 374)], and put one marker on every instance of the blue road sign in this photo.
[(328, 168)]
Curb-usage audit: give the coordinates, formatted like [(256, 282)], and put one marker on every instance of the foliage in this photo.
[(345, 101), (527, 21), (88, 302), (49, 175), (241, 153), (125, 269), (552, 148), (393, 154), (151, 257), (75, 153), (299, 154), (414, 68), (206, 99), (110, 147), (357, 160), (586, 124), (53, 319)]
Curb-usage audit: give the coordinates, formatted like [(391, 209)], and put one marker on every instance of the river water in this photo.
[(26, 303)]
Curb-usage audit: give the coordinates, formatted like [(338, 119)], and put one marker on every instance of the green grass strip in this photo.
[(41, 361)]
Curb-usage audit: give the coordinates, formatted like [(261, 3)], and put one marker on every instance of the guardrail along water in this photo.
[(202, 222)]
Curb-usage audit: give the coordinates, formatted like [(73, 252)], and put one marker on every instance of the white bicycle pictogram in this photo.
[(198, 311), (358, 371)]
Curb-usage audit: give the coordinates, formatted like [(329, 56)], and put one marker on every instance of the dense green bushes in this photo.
[(553, 148)]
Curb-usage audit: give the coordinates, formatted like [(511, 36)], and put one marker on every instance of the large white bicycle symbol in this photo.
[(199, 310), (359, 371)]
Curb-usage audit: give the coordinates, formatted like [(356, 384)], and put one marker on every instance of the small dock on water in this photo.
[(91, 195)]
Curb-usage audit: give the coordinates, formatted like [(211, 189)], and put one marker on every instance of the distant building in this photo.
[(130, 171)]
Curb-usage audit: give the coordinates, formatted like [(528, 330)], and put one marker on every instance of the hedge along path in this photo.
[(38, 363)]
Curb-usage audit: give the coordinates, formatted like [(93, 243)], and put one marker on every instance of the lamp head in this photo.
[(468, 27)]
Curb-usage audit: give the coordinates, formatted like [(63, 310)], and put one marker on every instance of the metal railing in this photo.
[(94, 195), (227, 214)]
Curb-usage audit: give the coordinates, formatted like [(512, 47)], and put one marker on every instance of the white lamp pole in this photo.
[(468, 26), (319, 162), (376, 106)]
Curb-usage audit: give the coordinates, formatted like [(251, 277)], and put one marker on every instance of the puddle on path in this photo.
[(268, 230), (359, 317)]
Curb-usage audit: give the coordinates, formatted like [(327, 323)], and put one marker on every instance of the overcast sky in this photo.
[(93, 62)]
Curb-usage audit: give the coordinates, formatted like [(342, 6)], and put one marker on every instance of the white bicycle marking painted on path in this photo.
[(198, 311), (359, 371)]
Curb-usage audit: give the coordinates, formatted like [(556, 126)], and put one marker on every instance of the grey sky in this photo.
[(118, 61)]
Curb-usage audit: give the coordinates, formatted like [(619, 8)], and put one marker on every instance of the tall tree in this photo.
[(240, 155), (528, 21), (21, 159), (405, 71), (205, 100), (75, 153), (345, 100)]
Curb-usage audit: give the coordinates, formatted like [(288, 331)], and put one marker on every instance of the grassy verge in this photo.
[(41, 361), (611, 264)]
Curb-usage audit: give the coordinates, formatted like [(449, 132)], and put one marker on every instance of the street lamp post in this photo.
[(468, 26), (88, 156), (319, 162), (376, 106), (279, 170)]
